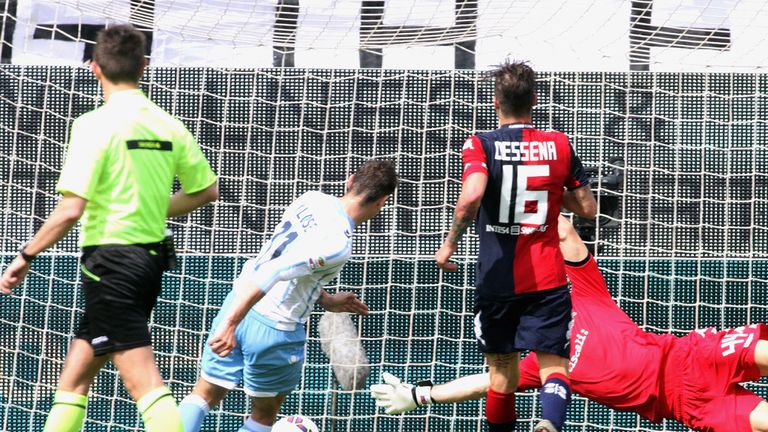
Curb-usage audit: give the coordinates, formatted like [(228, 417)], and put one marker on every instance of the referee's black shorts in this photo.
[(121, 284)]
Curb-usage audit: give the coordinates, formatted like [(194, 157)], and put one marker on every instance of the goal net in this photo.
[(682, 241)]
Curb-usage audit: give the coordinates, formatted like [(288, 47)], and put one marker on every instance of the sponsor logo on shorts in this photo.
[(733, 339), (98, 340), (569, 331), (736, 338)]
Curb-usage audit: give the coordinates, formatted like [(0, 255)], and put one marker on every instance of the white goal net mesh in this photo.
[(683, 240)]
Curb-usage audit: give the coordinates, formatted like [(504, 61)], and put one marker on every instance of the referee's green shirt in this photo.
[(123, 158)]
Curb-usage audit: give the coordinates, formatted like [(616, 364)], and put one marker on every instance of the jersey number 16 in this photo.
[(523, 197)]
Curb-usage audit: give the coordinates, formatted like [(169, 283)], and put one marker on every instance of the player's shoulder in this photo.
[(115, 119), (315, 197), (170, 119), (550, 135), (516, 132), (487, 135), (170, 122), (92, 118), (481, 141), (330, 219), (323, 207), (163, 123), (92, 130)]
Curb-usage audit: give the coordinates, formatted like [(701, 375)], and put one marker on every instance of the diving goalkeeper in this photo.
[(692, 379)]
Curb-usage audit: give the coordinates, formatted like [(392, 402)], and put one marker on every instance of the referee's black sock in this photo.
[(496, 427)]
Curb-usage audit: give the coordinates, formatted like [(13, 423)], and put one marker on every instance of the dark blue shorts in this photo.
[(121, 284), (538, 321)]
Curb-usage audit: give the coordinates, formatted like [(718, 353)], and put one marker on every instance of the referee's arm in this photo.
[(182, 203), (56, 226)]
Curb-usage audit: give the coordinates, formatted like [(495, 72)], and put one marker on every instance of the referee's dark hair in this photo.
[(514, 88), (119, 52), (374, 179)]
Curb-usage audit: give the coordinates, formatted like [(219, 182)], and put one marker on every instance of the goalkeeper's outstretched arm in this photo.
[(397, 397), (466, 388)]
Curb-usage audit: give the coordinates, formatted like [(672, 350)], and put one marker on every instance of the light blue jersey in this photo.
[(308, 249)]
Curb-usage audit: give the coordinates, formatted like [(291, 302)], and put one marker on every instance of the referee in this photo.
[(117, 178)]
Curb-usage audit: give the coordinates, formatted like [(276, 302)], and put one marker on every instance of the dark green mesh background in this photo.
[(683, 243)]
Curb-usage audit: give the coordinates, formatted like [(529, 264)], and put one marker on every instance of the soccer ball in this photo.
[(295, 423)]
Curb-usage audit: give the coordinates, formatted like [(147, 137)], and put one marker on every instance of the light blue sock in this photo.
[(193, 410), (252, 425)]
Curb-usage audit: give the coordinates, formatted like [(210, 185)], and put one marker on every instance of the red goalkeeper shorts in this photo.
[(703, 375)]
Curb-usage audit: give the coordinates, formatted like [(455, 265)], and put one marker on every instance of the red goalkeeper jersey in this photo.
[(613, 361), (694, 379)]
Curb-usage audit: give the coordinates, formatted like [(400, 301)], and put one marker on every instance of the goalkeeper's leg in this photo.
[(142, 379), (68, 409)]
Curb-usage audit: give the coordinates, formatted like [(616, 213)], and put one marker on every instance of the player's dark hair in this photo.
[(375, 179), (514, 88), (119, 52)]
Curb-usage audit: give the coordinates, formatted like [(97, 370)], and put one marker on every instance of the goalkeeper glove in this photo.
[(397, 397)]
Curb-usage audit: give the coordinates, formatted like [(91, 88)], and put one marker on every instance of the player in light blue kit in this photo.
[(259, 335)]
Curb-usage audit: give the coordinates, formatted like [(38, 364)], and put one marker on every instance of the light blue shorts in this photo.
[(268, 360)]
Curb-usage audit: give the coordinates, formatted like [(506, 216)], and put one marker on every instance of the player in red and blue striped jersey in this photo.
[(515, 180)]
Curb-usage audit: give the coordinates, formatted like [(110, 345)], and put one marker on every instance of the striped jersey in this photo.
[(309, 247), (527, 171)]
